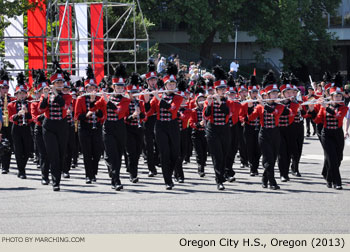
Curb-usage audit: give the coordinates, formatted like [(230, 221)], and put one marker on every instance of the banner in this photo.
[(81, 33), (97, 53), (36, 45), (14, 47), (66, 33)]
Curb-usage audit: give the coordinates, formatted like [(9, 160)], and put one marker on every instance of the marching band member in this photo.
[(90, 127), (269, 136), (252, 128), (149, 138), (288, 143), (114, 108), (38, 117), (298, 127), (7, 125), (217, 112), (311, 95), (167, 128), (133, 120), (197, 123), (332, 136), (55, 127), (184, 115), (242, 145), (235, 108), (20, 116)]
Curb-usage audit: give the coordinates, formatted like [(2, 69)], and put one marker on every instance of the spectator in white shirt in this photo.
[(234, 68), (161, 66)]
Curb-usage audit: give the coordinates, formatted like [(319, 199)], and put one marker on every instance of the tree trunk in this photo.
[(206, 47)]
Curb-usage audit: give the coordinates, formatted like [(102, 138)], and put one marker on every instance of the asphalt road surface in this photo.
[(303, 205)]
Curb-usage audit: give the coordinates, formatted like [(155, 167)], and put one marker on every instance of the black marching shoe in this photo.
[(134, 180), (94, 179), (231, 179), (88, 180), (168, 186), (283, 179), (56, 188), (242, 165), (220, 187), (338, 187), (66, 175), (4, 171), (263, 185), (45, 181), (22, 176), (118, 187), (329, 184), (152, 173), (274, 187), (181, 180), (201, 174)]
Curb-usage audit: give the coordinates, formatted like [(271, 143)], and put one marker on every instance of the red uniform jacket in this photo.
[(143, 117), (211, 118), (175, 106), (194, 123), (259, 112), (45, 108), (80, 108), (339, 114), (14, 117), (185, 116), (121, 109), (36, 115)]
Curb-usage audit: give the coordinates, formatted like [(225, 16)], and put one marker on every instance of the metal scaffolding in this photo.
[(130, 10)]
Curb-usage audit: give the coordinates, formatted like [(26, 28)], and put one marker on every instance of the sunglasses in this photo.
[(5, 87)]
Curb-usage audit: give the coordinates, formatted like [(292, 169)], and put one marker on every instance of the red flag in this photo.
[(36, 46), (66, 46), (97, 54), (254, 73)]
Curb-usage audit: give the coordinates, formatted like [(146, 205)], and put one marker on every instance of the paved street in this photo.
[(303, 205)]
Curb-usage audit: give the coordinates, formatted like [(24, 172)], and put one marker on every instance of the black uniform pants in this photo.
[(91, 146), (150, 143), (232, 150), (200, 146), (288, 145), (6, 158), (242, 145), (218, 142), (319, 128), (269, 141), (299, 138), (43, 159), (251, 135), (55, 133), (179, 173), (70, 149), (114, 139), (189, 148), (333, 144), (308, 121), (133, 148), (22, 144), (168, 142)]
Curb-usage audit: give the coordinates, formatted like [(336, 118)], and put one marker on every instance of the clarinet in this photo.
[(137, 105), (24, 116), (94, 120)]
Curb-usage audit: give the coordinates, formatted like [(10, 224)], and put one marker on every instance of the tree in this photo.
[(203, 19), (299, 28)]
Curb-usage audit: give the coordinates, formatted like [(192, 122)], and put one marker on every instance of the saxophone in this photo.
[(6, 112)]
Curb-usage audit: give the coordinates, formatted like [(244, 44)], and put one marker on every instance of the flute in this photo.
[(320, 102), (263, 100)]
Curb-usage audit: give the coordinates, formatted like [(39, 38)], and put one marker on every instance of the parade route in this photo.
[(303, 205)]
